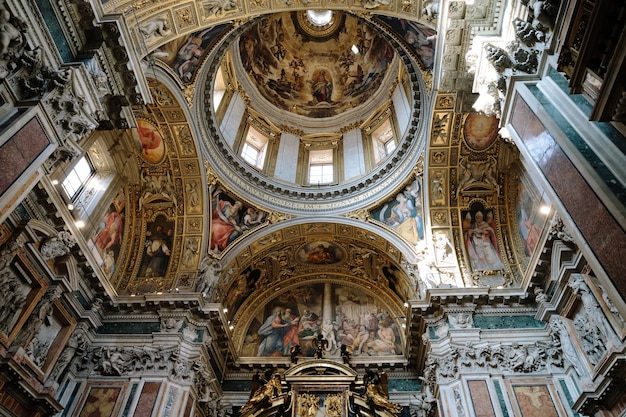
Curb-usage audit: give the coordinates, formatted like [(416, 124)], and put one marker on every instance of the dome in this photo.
[(338, 95)]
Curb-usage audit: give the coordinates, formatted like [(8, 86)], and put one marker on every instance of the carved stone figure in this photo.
[(431, 9), (156, 27), (190, 252), (372, 4), (11, 41), (377, 393), (559, 231), (157, 186), (13, 296), (210, 271), (561, 335), (76, 347), (40, 315), (320, 346), (170, 325), (525, 32), (267, 390), (113, 361), (193, 193), (213, 7), (461, 320), (477, 171), (592, 308), (424, 405), (308, 404), (498, 57), (590, 339), (56, 246), (612, 308)]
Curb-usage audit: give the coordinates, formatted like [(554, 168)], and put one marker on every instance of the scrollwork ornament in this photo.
[(276, 217), (360, 214), (559, 231)]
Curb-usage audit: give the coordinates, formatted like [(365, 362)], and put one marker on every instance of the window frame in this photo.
[(74, 196)]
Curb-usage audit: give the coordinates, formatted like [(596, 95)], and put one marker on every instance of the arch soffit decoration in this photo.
[(362, 251), (189, 18)]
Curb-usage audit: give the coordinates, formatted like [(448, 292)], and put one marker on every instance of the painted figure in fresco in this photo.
[(321, 255), (111, 232), (322, 87), (224, 222), (151, 141), (253, 218), (238, 291), (273, 330), (157, 252), (482, 245), (291, 336), (406, 213), (525, 209), (309, 323)]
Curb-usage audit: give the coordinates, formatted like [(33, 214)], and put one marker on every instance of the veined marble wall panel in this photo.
[(23, 150), (102, 399), (597, 225), (147, 399), (479, 392)]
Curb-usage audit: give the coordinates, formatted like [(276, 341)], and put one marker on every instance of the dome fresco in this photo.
[(315, 70)]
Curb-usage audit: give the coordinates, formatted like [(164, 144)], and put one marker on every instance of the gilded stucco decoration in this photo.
[(479, 208), (168, 223)]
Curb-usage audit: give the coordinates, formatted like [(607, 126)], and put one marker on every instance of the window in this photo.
[(383, 140), (321, 167), (76, 179), (254, 148), (219, 89)]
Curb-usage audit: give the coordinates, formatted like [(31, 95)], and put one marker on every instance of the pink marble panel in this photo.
[(20, 151), (602, 232)]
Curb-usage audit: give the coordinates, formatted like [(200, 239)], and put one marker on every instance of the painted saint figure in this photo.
[(225, 225), (482, 245), (322, 87)]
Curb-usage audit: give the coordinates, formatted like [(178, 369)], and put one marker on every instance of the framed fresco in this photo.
[(404, 213), (109, 236), (24, 286), (230, 219), (535, 399), (341, 314), (530, 221), (480, 237), (480, 131), (149, 142), (420, 39), (274, 54)]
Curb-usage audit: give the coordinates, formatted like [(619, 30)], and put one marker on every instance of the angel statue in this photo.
[(320, 346), (377, 392)]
